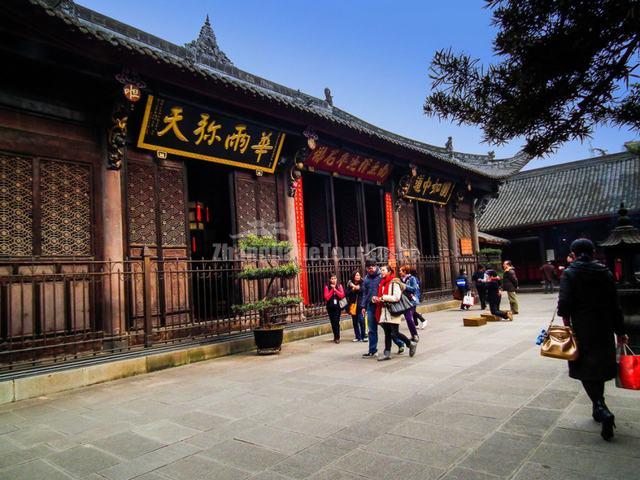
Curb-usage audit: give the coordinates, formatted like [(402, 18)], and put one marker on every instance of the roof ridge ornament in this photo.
[(207, 45), (449, 146), (68, 7)]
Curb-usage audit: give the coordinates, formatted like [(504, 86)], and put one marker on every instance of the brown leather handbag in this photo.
[(559, 342)]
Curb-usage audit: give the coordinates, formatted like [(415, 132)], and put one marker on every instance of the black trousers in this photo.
[(392, 331), (482, 294), (334, 317), (594, 388), (494, 307)]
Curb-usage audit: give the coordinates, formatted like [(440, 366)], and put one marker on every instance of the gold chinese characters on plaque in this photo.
[(184, 130)]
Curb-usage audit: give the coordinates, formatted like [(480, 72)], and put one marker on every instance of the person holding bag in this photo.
[(389, 293), (462, 284), (333, 295), (411, 290), (354, 293), (588, 303)]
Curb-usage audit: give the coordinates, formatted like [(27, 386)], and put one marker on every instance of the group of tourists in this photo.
[(490, 286), (378, 297)]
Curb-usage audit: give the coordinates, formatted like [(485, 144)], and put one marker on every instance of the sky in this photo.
[(374, 55)]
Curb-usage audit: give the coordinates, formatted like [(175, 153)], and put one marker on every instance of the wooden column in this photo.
[(474, 234), (453, 240), (113, 311)]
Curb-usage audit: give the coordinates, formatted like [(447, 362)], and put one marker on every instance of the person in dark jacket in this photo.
[(510, 285), (411, 290), (367, 307), (588, 302), (494, 295), (333, 293), (354, 292), (548, 275), (481, 288), (462, 284)]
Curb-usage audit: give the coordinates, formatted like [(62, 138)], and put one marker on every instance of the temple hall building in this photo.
[(127, 163), (541, 211)]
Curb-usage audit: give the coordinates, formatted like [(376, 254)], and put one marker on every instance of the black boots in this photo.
[(603, 415)]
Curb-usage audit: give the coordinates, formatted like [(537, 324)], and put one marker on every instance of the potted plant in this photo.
[(274, 300)]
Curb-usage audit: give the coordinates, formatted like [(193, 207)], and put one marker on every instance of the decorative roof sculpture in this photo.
[(207, 45)]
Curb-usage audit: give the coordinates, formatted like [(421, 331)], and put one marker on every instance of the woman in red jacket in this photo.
[(333, 293)]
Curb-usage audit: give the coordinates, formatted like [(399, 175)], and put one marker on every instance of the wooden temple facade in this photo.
[(130, 167)]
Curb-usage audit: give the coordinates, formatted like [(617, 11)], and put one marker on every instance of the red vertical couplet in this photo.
[(302, 242), (391, 236)]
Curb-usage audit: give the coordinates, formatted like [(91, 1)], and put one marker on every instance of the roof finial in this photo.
[(207, 45), (328, 97), (449, 146)]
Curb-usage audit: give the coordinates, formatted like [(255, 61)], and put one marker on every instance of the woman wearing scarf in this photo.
[(390, 291)]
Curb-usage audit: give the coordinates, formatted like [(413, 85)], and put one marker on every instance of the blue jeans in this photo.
[(358, 325), (373, 330)]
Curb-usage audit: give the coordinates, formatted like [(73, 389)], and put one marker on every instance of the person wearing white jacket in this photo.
[(390, 291)]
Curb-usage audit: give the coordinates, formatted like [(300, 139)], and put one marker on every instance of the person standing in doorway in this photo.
[(510, 285), (333, 293), (481, 288), (548, 275), (389, 291), (367, 307), (354, 293), (588, 302), (411, 290), (494, 295)]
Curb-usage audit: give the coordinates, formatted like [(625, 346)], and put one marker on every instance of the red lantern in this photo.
[(198, 212)]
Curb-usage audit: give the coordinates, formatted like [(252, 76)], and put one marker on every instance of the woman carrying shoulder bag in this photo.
[(390, 291), (354, 294), (333, 293)]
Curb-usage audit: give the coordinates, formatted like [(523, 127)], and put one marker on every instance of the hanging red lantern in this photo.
[(198, 212)]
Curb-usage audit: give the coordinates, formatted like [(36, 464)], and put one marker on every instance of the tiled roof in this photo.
[(127, 38), (492, 239), (586, 188)]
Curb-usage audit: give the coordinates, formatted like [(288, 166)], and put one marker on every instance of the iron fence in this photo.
[(54, 311)]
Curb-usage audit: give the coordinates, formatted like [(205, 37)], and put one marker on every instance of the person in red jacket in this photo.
[(333, 293)]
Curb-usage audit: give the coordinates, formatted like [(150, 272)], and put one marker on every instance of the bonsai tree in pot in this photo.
[(275, 300)]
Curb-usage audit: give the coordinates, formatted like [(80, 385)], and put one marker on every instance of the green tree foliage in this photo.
[(564, 67)]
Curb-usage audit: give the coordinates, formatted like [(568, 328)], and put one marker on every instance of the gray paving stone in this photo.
[(456, 437), (83, 460), (370, 428), (376, 466), (199, 420), (17, 457), (430, 453), (466, 474), (444, 420), (32, 436), (474, 408), (220, 434), (286, 442), (306, 425), (35, 470), (553, 399), (201, 468), (268, 475), (332, 474), (536, 471), (314, 458), (501, 454), (584, 462), (531, 421), (620, 445), (243, 455), (165, 431), (127, 445), (148, 462)]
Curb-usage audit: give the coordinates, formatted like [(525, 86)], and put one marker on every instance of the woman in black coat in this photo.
[(588, 302)]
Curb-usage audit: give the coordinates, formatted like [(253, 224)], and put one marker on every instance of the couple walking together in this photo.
[(381, 288)]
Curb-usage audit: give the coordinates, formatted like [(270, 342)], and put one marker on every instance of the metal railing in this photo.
[(54, 311)]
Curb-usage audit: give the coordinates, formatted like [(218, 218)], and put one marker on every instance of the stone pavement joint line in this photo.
[(474, 403)]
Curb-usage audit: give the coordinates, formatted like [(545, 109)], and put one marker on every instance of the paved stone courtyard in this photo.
[(474, 403)]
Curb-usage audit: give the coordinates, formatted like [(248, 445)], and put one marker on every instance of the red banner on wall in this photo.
[(391, 236), (348, 164), (301, 237)]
